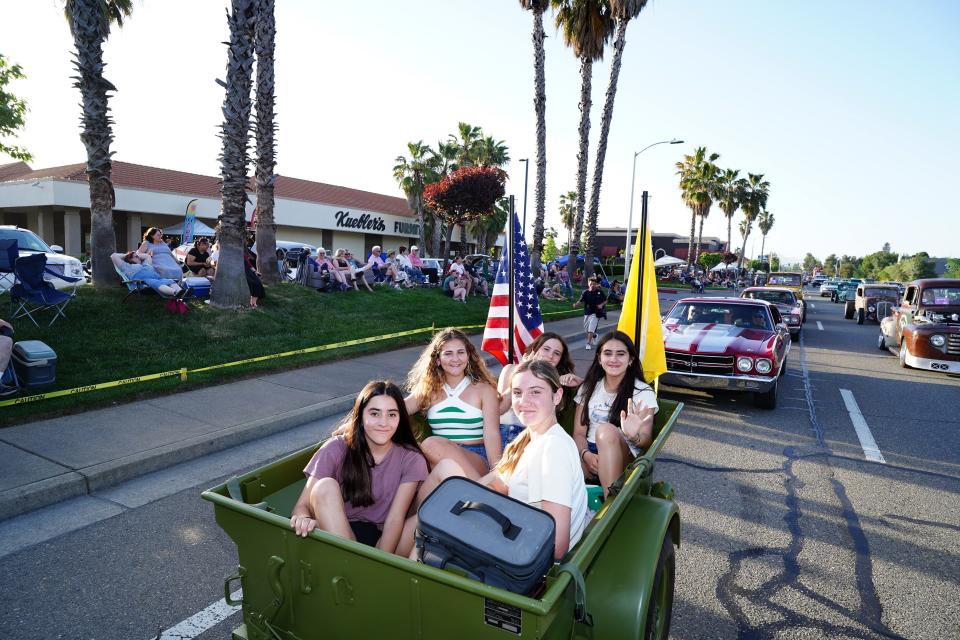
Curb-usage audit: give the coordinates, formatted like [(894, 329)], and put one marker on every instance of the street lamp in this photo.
[(633, 177), (526, 172)]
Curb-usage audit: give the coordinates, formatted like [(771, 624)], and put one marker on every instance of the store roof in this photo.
[(136, 176)]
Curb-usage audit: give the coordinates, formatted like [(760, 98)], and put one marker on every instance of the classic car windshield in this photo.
[(941, 296), (26, 240), (776, 297), (748, 316), (789, 280), (880, 292)]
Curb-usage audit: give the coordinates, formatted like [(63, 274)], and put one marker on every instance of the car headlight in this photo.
[(937, 340), (744, 364), (871, 309), (764, 365)]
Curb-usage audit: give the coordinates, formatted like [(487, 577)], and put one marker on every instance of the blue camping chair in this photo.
[(33, 293), (9, 252)]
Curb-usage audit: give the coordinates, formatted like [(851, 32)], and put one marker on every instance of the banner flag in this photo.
[(650, 342), (189, 221)]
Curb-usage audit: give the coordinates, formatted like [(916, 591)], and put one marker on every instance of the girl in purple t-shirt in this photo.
[(361, 483)]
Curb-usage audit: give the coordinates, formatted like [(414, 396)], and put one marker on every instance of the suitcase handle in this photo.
[(510, 530)]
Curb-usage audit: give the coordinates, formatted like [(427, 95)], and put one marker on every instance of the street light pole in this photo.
[(526, 173), (633, 178)]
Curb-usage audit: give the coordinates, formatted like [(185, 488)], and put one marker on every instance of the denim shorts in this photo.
[(509, 432), (592, 447), (478, 449)]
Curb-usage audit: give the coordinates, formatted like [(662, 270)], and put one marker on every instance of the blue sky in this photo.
[(850, 109)]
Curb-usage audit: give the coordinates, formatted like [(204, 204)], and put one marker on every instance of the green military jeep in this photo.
[(616, 582)]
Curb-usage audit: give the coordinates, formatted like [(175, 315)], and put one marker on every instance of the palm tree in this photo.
[(231, 286), (568, 213), (487, 228), (764, 223), (466, 144), (623, 12), (265, 38), (755, 194), (488, 152), (745, 225), (412, 174), (537, 8), (586, 26), (728, 199), (90, 22), (698, 186)]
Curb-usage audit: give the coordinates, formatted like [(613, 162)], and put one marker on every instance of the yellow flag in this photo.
[(650, 342)]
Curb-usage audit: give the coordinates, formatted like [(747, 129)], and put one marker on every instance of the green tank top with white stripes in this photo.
[(455, 419)]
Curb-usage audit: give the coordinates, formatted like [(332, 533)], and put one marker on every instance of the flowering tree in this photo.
[(464, 195)]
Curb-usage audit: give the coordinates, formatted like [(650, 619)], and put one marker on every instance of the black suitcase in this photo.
[(491, 537)]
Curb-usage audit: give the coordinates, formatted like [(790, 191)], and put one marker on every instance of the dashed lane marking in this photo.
[(870, 449), (813, 306), (819, 325), (203, 620)]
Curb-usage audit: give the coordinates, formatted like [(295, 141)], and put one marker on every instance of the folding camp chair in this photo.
[(135, 286), (9, 252), (33, 294)]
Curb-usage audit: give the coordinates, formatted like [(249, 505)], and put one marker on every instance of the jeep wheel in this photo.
[(660, 609), (768, 399), (860, 316), (848, 310)]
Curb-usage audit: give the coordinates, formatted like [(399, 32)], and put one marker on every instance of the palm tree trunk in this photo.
[(763, 243), (729, 225), (693, 231), (586, 72), (230, 288), (743, 252), (421, 231), (96, 134), (540, 107), (449, 226), (437, 237), (593, 212), (696, 253), (266, 32)]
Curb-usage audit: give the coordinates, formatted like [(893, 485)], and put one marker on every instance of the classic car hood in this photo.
[(788, 308), (717, 339)]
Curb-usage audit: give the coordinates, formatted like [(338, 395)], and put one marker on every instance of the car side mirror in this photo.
[(56, 248)]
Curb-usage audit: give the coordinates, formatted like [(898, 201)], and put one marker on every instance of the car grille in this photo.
[(953, 344), (691, 363), (56, 268)]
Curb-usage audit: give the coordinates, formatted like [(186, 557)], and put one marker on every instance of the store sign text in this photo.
[(365, 222)]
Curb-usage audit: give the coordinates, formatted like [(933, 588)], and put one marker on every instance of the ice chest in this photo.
[(35, 363), (466, 527), (199, 286)]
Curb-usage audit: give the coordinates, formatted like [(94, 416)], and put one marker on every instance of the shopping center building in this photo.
[(55, 204)]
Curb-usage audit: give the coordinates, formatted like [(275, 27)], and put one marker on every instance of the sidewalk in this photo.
[(45, 462)]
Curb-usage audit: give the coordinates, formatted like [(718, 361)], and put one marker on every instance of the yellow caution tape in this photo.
[(91, 387)]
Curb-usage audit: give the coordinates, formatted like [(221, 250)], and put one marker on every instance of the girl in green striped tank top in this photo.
[(451, 384)]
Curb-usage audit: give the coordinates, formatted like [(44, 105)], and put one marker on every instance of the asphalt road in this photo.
[(788, 530)]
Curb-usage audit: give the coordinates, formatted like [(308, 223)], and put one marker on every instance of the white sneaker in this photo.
[(588, 346)]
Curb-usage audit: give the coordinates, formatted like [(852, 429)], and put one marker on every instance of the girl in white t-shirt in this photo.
[(541, 466), (615, 409)]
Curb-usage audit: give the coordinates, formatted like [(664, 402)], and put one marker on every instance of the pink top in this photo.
[(415, 260), (400, 465)]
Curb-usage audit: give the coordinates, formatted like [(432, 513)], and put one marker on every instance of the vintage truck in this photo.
[(924, 330), (872, 302), (617, 582)]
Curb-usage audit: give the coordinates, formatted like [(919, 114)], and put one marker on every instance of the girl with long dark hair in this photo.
[(615, 409), (360, 484)]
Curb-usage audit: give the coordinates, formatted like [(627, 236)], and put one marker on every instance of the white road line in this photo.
[(870, 449), (819, 325), (813, 306), (203, 620)]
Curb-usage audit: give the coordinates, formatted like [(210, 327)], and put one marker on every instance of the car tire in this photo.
[(903, 353), (783, 369), (660, 609), (848, 310), (768, 399), (860, 316), (882, 342)]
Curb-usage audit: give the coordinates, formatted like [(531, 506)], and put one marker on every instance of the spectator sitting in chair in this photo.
[(616, 292), (477, 282), (396, 276), (161, 258), (198, 259), (132, 266), (405, 261), (6, 348), (449, 283), (554, 293), (376, 265), (457, 269), (324, 264)]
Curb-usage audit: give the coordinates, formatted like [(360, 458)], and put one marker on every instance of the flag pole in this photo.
[(642, 255), (510, 247)]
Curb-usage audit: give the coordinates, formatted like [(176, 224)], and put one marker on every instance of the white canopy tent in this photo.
[(723, 267), (668, 261)]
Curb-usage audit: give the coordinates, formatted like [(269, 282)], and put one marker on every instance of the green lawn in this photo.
[(103, 340)]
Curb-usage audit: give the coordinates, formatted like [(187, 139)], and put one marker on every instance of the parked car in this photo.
[(737, 344), (845, 289), (873, 302), (29, 243), (924, 330), (791, 309)]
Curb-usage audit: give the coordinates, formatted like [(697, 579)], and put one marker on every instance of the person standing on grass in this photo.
[(593, 302)]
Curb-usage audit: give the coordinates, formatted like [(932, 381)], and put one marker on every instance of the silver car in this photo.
[(828, 288), (29, 243)]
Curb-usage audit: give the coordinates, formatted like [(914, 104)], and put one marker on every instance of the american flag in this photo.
[(528, 324)]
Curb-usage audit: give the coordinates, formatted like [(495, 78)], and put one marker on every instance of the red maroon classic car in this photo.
[(726, 343)]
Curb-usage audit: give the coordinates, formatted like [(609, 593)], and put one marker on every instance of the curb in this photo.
[(80, 482)]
